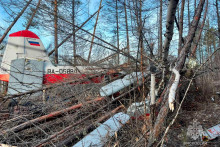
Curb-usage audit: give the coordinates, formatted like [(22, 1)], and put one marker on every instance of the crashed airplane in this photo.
[(26, 66)]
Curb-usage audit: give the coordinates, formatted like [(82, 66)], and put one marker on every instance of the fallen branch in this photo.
[(51, 115), (82, 120), (80, 132)]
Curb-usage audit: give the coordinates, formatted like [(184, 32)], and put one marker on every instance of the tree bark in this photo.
[(74, 33), (15, 20), (169, 34), (33, 14), (190, 36), (193, 53), (181, 26), (96, 22), (116, 9), (126, 22), (218, 19), (188, 14), (160, 30), (194, 6), (55, 32)]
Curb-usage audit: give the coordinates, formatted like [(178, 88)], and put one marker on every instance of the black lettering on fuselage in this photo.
[(48, 71), (62, 71), (52, 71)]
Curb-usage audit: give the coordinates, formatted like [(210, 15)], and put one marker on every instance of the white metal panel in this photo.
[(212, 132), (120, 84), (100, 136)]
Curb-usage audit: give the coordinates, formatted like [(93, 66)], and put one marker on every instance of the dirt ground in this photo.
[(202, 109), (199, 108)]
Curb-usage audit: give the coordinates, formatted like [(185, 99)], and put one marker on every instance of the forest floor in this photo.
[(197, 109)]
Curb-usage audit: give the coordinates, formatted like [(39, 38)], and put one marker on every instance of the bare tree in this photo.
[(193, 52), (160, 30), (74, 28), (188, 13), (127, 33), (117, 23), (169, 33), (15, 20), (33, 14), (96, 22), (181, 26), (218, 20), (55, 32)]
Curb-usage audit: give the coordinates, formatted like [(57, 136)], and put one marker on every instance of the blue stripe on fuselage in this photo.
[(32, 42)]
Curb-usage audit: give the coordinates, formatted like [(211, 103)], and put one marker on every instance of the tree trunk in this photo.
[(15, 20), (116, 9), (55, 32), (190, 36), (194, 7), (96, 22), (169, 33), (181, 26), (33, 14), (179, 65), (188, 14), (193, 53), (218, 20), (74, 33), (126, 22), (160, 30), (140, 29)]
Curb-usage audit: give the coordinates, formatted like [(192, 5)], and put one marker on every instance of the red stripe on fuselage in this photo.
[(80, 78)]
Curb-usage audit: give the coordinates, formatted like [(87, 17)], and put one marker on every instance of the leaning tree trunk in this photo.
[(168, 35), (33, 14), (218, 19), (116, 9), (127, 34), (200, 32), (169, 28), (188, 13), (55, 32), (160, 30), (74, 33), (179, 65), (15, 20), (93, 37), (181, 26)]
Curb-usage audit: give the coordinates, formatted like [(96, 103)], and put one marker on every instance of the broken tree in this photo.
[(158, 126)]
